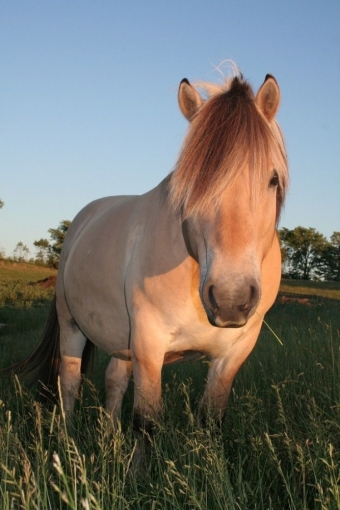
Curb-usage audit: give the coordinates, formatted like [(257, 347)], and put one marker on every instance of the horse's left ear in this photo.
[(268, 97), (189, 99)]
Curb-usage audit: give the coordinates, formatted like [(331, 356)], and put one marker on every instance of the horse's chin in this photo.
[(217, 322)]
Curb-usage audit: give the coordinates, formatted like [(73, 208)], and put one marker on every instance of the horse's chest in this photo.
[(169, 357)]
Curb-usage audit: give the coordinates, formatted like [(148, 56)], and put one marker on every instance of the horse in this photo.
[(186, 270)]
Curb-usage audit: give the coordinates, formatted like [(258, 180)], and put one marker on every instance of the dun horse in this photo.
[(188, 269)]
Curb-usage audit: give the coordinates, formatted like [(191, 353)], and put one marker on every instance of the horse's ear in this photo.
[(189, 99), (268, 97)]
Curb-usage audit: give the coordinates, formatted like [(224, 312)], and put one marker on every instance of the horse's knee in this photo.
[(70, 378), (70, 370)]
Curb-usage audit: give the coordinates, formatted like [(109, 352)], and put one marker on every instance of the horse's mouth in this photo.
[(216, 321)]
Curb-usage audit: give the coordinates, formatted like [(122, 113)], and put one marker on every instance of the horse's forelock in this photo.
[(227, 133)]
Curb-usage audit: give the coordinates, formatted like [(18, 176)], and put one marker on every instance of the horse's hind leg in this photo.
[(72, 343), (117, 377)]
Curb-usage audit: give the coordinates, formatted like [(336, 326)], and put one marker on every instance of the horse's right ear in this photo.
[(268, 97), (189, 99)]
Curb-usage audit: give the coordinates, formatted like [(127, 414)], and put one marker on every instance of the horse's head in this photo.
[(229, 184)]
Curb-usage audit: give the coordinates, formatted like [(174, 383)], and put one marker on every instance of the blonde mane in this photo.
[(227, 133)]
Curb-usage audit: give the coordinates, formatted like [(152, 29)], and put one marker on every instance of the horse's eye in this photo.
[(274, 181)]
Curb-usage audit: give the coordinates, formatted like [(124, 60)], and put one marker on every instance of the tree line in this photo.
[(47, 250), (306, 253)]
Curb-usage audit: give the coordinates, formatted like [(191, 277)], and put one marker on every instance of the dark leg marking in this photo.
[(143, 426)]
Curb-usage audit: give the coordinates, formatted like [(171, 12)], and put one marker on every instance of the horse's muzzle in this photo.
[(226, 310)]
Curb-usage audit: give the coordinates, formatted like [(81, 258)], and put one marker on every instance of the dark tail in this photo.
[(44, 362)]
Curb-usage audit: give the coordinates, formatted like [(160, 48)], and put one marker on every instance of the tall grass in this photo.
[(279, 447)]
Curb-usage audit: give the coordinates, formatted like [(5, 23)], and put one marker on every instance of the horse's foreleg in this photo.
[(148, 344), (147, 354), (221, 375), (147, 396), (146, 409), (117, 377), (217, 390)]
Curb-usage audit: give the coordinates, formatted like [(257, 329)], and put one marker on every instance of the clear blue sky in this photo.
[(89, 99)]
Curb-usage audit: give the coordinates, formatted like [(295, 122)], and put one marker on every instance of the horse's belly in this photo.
[(102, 318), (109, 332)]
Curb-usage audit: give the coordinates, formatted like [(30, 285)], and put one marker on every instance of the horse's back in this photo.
[(89, 216)]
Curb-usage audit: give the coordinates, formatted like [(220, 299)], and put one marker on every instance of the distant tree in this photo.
[(1, 204), (58, 235), (43, 251), (49, 251), (303, 250), (21, 252), (331, 258)]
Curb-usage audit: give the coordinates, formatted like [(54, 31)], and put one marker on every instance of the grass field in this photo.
[(279, 447), (329, 290), (15, 288)]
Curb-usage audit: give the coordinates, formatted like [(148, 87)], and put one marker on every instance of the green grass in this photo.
[(279, 447), (24, 271), (15, 290)]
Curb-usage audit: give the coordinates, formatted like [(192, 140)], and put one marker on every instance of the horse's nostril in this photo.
[(254, 293), (212, 297), (251, 301)]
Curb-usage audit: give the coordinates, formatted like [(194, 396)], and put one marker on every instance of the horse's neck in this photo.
[(162, 227)]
